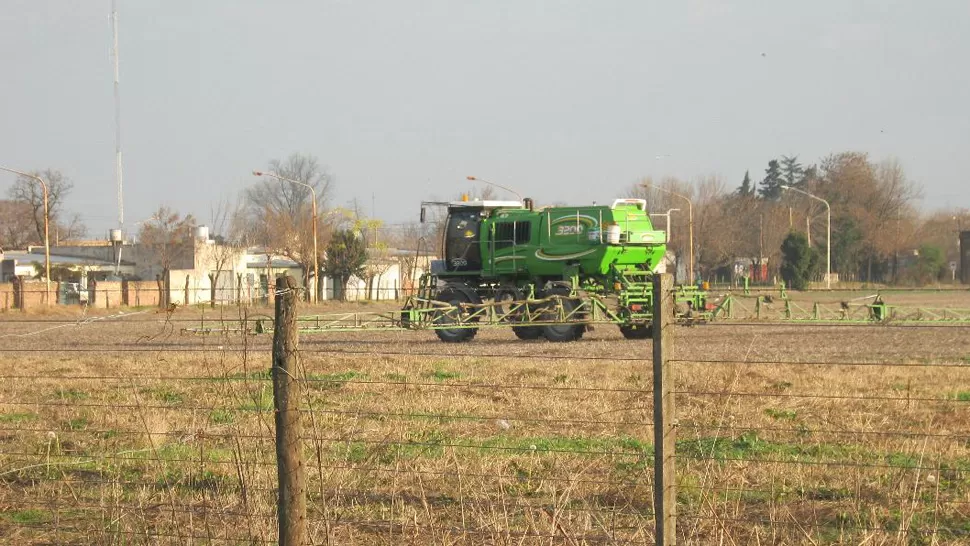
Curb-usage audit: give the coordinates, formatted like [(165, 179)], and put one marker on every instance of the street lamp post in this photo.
[(690, 228), (313, 194), (47, 243), (510, 190), (828, 234)]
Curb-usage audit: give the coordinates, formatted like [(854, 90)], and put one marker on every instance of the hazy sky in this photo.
[(568, 101)]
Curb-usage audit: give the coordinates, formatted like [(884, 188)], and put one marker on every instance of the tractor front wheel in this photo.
[(637, 331), (455, 295)]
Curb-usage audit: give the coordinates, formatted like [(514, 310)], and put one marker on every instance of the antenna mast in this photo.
[(118, 171)]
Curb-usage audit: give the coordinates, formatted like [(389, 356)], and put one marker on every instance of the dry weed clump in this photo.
[(127, 431)]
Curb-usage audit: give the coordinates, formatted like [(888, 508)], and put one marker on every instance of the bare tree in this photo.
[(167, 238), (869, 203), (27, 190), (227, 222), (280, 213), (16, 225), (715, 232)]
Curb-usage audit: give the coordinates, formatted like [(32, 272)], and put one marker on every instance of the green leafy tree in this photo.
[(771, 185), (798, 261), (346, 255), (930, 265)]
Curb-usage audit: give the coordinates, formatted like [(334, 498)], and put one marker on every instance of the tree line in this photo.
[(878, 233)]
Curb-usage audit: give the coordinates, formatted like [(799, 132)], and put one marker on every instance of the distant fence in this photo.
[(119, 430), (113, 294)]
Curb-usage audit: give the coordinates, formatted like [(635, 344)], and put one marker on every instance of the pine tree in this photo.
[(792, 170), (745, 189), (771, 186), (809, 176), (798, 261)]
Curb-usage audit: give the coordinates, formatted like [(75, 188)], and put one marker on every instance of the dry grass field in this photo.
[(121, 429)]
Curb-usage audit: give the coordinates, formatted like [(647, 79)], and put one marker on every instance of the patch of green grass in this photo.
[(824, 493), (905, 460), (259, 375), (261, 400), (781, 415), (569, 444), (399, 377), (440, 374), (560, 379), (79, 423), (431, 444), (334, 380), (781, 385), (220, 416), (418, 444), (962, 396), (192, 481), (178, 451), (749, 446), (17, 417), (27, 517), (72, 395), (165, 395)]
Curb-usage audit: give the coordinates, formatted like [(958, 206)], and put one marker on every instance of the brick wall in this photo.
[(105, 295), (6, 297), (141, 293)]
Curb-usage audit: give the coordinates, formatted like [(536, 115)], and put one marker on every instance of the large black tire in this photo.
[(455, 294), (505, 295), (637, 331), (527, 333), (561, 333)]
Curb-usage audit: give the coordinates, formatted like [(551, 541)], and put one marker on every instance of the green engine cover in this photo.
[(557, 242)]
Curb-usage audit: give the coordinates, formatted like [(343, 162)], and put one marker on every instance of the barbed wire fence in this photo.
[(120, 429)]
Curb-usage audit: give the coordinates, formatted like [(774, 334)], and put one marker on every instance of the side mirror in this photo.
[(423, 214)]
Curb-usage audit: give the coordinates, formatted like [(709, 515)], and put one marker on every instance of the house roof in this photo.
[(25, 257)]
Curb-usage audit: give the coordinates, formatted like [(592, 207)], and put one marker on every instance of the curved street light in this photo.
[(47, 244), (690, 227), (510, 190), (313, 193), (828, 234)]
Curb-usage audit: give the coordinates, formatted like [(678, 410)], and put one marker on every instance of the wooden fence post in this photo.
[(286, 402), (664, 416)]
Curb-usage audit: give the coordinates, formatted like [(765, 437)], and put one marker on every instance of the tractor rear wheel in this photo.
[(560, 333), (637, 331), (455, 295), (508, 296)]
